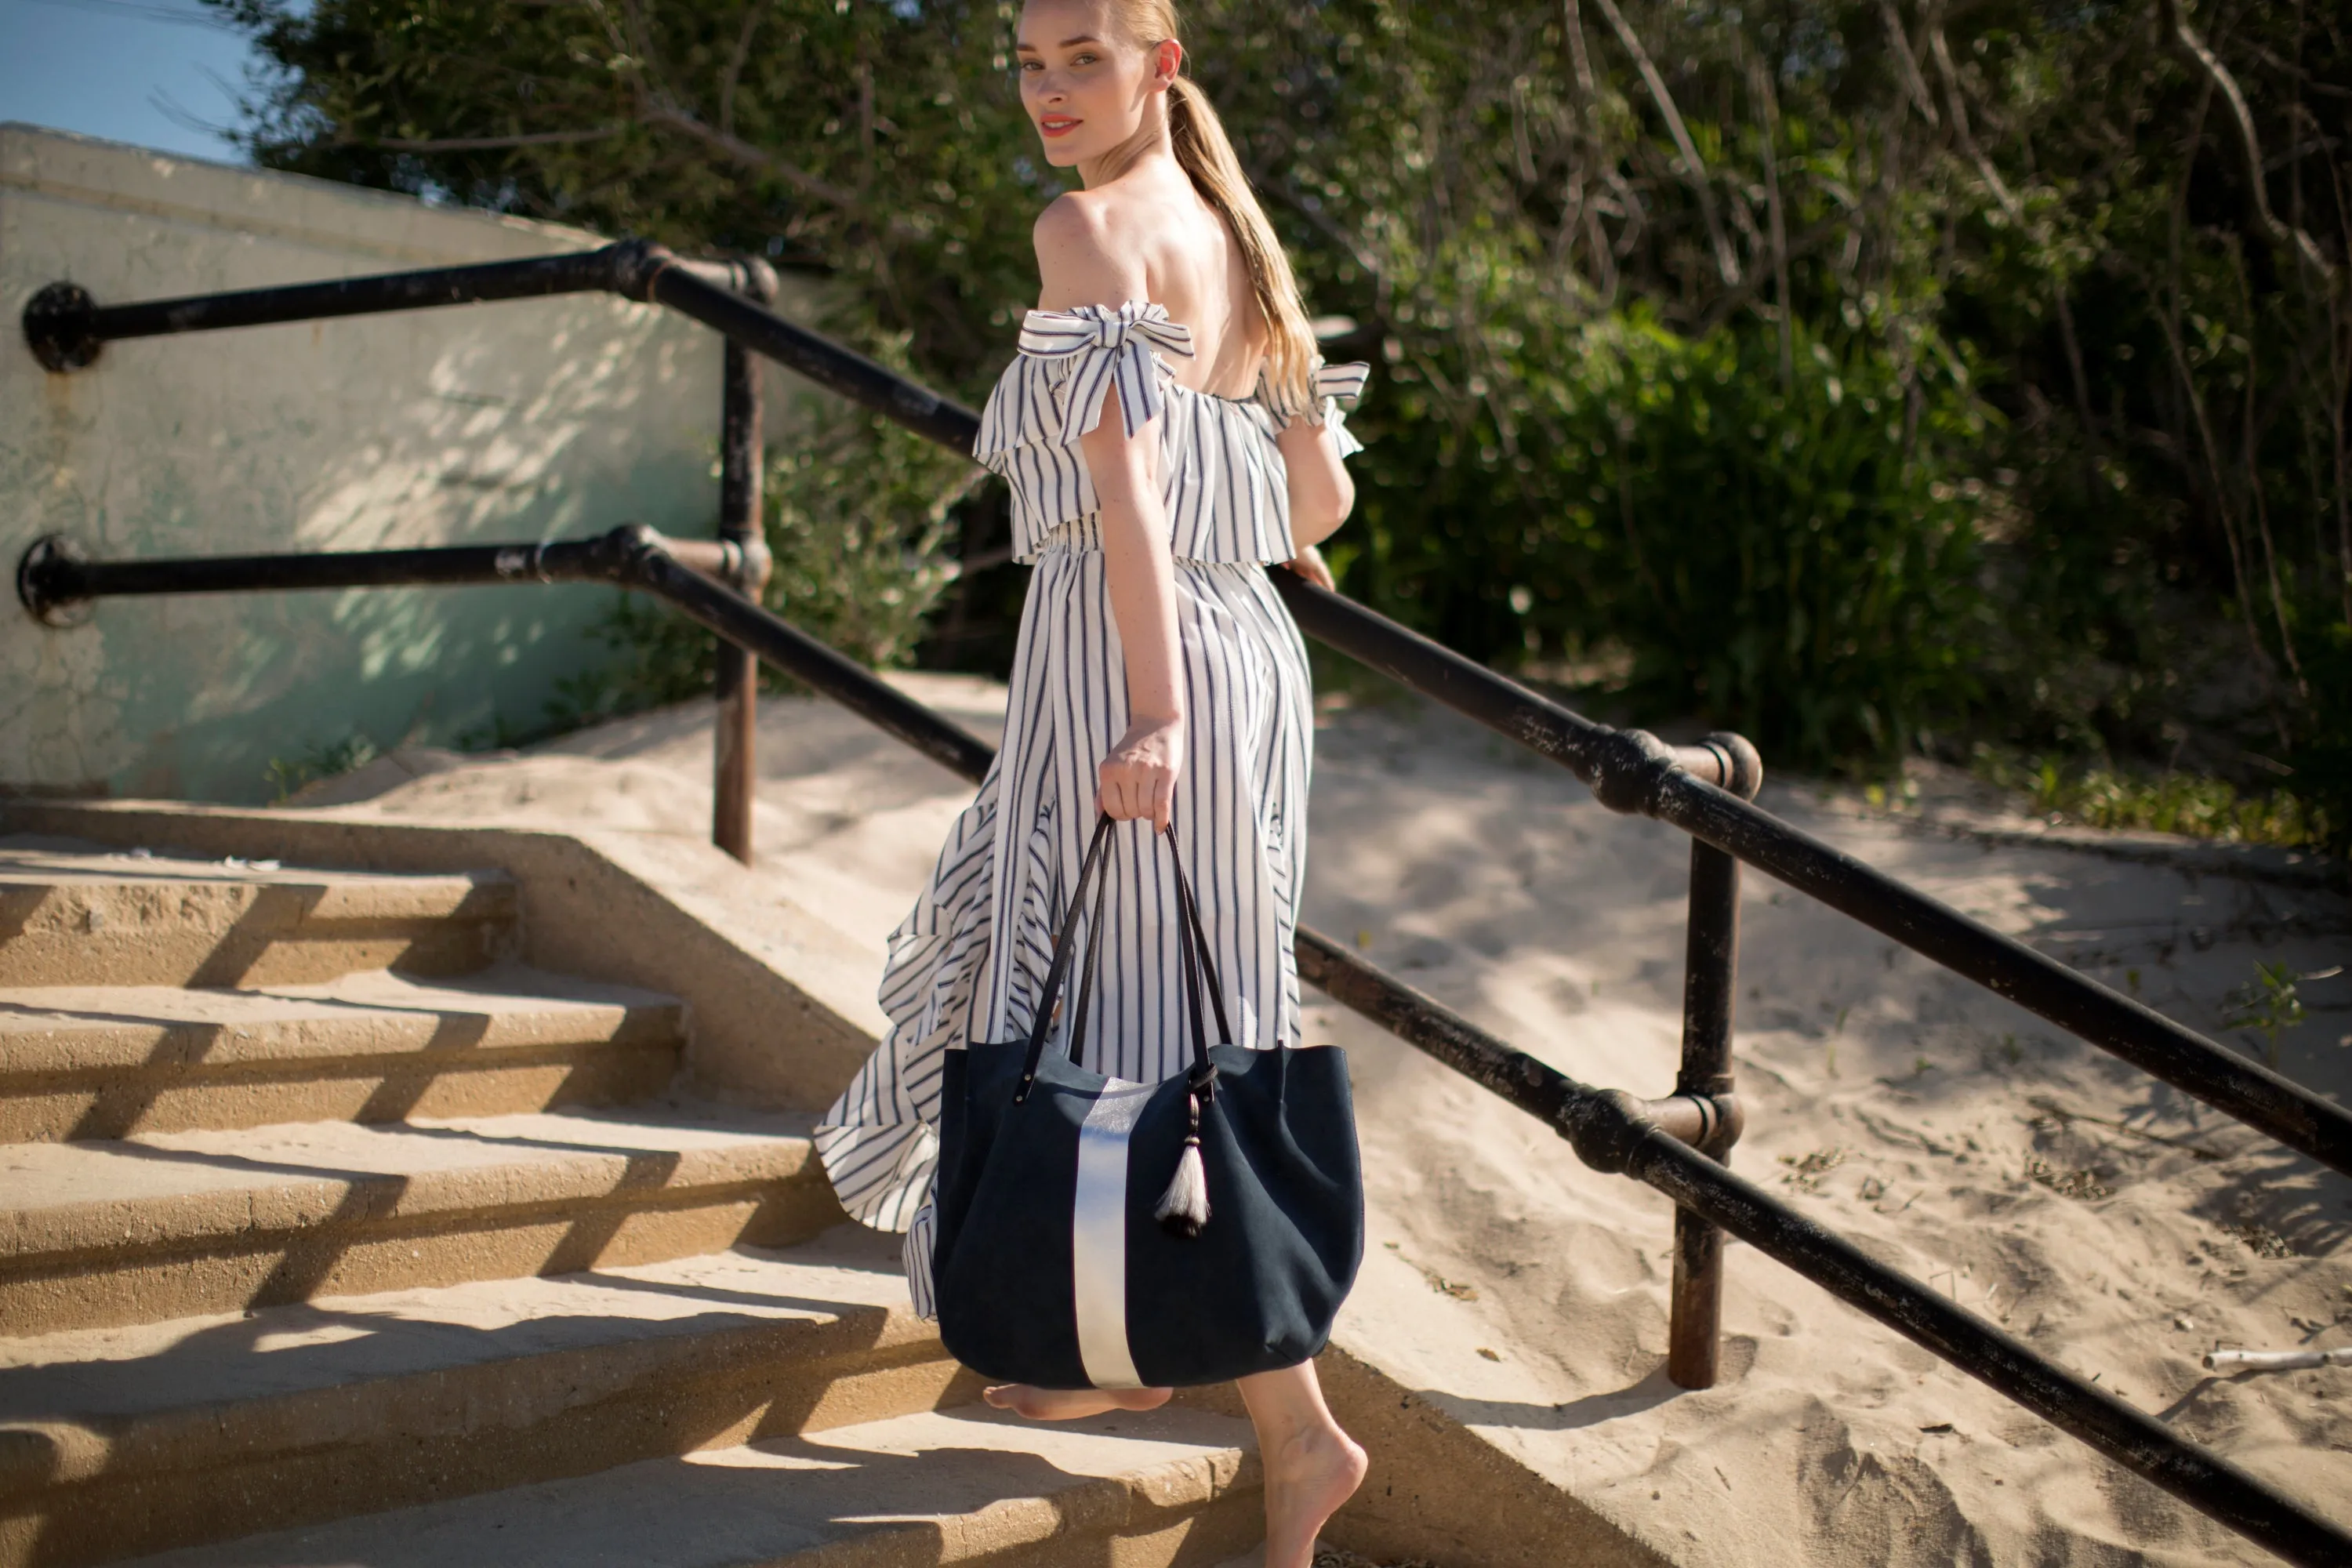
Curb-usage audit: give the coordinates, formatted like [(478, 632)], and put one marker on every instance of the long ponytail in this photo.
[(1207, 155)]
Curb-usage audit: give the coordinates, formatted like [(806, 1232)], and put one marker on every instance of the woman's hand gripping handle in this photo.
[(1138, 777)]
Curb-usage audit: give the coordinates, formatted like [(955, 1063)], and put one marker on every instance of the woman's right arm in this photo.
[(1079, 264)]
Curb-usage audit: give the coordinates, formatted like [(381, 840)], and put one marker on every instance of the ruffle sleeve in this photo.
[(1053, 394), (1336, 384), (1333, 385)]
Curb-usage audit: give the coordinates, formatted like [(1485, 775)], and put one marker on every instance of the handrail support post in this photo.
[(1710, 986), (736, 680)]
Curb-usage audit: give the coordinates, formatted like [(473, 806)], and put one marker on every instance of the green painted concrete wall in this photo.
[(474, 423)]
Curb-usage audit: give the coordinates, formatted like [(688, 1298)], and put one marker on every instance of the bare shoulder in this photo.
[(1083, 256)]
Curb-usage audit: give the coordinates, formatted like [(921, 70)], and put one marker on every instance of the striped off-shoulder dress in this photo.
[(968, 963)]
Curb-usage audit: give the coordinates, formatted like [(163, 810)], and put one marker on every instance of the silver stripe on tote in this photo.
[(1099, 1234)]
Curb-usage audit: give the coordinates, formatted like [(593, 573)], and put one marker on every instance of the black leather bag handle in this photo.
[(1208, 973), (1059, 970), (1192, 952)]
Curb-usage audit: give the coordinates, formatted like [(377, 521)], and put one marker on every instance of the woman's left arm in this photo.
[(1321, 493)]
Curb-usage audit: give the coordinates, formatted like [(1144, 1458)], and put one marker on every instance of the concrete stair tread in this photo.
[(64, 1027), (119, 1441), (71, 914), (180, 1186), (934, 1488), (30, 861), (190, 1369)]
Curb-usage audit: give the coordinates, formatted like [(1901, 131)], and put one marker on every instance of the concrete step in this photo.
[(116, 1441), (1171, 1489), (109, 1062), (80, 914), (175, 1224)]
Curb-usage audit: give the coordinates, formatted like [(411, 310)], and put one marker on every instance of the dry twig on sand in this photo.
[(2276, 1361)]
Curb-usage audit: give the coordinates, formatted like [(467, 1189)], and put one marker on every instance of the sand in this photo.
[(1948, 1132)]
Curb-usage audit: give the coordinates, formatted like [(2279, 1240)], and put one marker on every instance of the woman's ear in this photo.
[(1167, 62)]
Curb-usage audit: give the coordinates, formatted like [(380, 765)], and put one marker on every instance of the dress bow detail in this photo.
[(1107, 345)]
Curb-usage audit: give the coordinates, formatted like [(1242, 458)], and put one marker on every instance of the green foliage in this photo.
[(858, 522), (659, 657), (287, 776), (2196, 804), (1797, 560), (2269, 1006), (2323, 762)]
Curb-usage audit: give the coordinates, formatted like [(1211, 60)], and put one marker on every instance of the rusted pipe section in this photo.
[(55, 582), (725, 559), (1710, 1123)]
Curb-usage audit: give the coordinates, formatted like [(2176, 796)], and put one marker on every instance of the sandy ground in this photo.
[(2117, 1226)]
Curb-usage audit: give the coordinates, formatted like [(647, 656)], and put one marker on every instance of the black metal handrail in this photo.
[(1678, 1144), (67, 328)]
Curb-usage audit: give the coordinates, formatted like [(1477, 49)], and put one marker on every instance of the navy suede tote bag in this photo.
[(1094, 1233)]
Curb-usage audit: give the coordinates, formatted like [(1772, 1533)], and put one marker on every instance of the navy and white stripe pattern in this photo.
[(968, 964)]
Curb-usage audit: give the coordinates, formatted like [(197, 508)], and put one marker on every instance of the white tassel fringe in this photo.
[(1184, 1207)]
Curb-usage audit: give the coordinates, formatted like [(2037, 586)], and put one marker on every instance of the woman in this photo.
[(1167, 432)]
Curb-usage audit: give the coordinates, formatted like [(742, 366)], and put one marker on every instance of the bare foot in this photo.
[(1069, 1403), (1306, 1479)]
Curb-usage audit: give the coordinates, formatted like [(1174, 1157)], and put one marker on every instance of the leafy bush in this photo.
[(1797, 560), (858, 519)]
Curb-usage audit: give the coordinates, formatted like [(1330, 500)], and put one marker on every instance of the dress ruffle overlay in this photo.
[(968, 963)]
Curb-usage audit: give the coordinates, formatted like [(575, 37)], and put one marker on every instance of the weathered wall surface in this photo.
[(521, 421)]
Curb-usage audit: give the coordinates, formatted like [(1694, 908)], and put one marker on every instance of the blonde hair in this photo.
[(1207, 156)]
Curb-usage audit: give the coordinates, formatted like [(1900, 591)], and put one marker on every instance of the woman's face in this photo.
[(1086, 88)]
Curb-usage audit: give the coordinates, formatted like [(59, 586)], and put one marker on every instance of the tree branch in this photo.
[(1579, 63), (1693, 169), (485, 143), (2184, 42), (1915, 86), (1732, 301), (752, 13), (662, 113), (1942, 52)]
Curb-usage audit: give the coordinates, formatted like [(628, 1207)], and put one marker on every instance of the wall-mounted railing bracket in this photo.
[(48, 581), (60, 327)]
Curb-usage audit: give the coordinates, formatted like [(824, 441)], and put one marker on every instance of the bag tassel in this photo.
[(1184, 1207)]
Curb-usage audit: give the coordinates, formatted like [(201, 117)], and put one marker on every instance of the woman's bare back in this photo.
[(1166, 245)]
